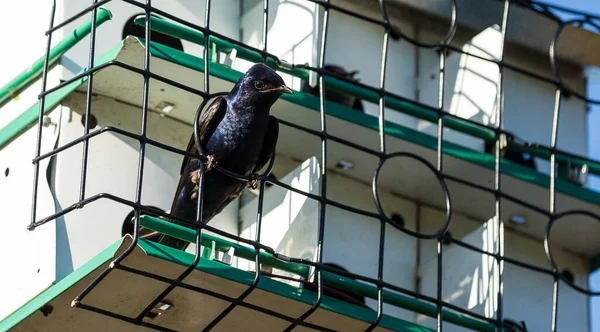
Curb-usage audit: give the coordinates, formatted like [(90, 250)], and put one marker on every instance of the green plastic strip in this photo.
[(33, 72), (55, 290), (487, 134), (189, 235), (279, 288), (29, 117), (197, 37), (370, 291), (212, 267)]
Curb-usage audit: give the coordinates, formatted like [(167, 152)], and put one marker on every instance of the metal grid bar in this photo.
[(443, 47)]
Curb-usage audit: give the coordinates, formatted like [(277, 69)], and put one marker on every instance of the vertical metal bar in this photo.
[(554, 139), (440, 167), (382, 148), (38, 146), (141, 151), (200, 202), (88, 105), (323, 188), (207, 45), (499, 231), (257, 239), (265, 29), (440, 156)]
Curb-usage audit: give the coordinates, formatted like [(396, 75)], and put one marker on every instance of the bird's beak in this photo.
[(284, 89)]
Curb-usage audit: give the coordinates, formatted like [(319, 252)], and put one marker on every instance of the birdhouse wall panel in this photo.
[(529, 110), (289, 221), (296, 45), (471, 87), (350, 240), (345, 33), (224, 20), (469, 278), (526, 292), (29, 258)]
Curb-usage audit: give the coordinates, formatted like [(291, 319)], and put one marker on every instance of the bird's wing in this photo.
[(269, 143), (209, 120)]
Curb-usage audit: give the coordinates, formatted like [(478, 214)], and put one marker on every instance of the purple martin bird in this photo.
[(237, 133)]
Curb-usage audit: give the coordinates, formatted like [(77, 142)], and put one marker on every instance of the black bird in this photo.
[(334, 292), (237, 132), (338, 97), (520, 158)]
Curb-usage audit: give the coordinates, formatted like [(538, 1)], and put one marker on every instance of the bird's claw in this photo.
[(211, 161), (253, 184)]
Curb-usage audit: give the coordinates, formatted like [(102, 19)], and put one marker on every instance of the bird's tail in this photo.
[(164, 239), (171, 241)]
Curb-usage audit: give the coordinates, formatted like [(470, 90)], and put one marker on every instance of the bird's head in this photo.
[(259, 88)]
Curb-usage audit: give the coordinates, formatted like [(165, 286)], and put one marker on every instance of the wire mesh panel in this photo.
[(500, 142)]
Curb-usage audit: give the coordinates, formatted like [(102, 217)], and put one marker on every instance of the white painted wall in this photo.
[(350, 240), (31, 42), (529, 107), (224, 20), (28, 257), (295, 45), (469, 279), (470, 92), (290, 220), (470, 86)]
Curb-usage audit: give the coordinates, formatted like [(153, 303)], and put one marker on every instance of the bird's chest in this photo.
[(237, 141)]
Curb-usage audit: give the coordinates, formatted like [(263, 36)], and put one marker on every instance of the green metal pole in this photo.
[(33, 72)]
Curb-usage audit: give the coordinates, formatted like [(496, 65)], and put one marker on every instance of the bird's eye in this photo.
[(259, 84)]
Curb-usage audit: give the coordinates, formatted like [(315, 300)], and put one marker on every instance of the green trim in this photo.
[(392, 129), (29, 117), (55, 290), (33, 72), (487, 134), (267, 284), (221, 270), (189, 235), (370, 291), (197, 37)]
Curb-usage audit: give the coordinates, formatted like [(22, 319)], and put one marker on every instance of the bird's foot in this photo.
[(211, 161), (253, 184)]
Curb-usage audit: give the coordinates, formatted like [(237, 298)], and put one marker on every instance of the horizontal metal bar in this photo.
[(34, 71)]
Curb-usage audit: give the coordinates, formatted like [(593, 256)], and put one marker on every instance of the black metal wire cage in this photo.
[(325, 137)]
